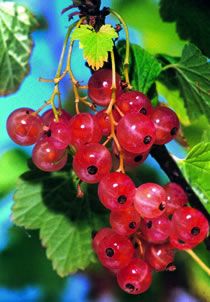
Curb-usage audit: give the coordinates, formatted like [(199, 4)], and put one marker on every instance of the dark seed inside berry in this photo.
[(147, 140), (122, 199), (195, 231), (48, 133), (174, 131), (92, 170), (170, 216), (143, 111), (109, 252), (181, 241), (138, 158), (132, 225), (27, 112), (162, 206), (149, 224), (130, 287)]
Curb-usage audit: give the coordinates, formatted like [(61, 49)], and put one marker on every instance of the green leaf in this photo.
[(196, 169), (96, 45), (144, 68), (192, 20), (48, 202), (16, 25), (198, 131), (193, 74), (13, 163), (175, 102)]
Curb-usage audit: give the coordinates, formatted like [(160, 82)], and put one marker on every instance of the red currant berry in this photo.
[(116, 191), (92, 162), (160, 257), (46, 157), (99, 86), (100, 235), (189, 227), (60, 134), (84, 129), (140, 131), (166, 123), (134, 101), (125, 222), (24, 126), (176, 197), (135, 278), (156, 230), (115, 251), (104, 122), (48, 117), (150, 200)]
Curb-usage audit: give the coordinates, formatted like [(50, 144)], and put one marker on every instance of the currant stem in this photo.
[(127, 51), (47, 103), (204, 267)]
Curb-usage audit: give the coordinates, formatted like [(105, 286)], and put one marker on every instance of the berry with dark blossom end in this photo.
[(156, 230), (135, 278), (136, 133), (125, 222), (116, 191), (92, 162), (166, 123), (48, 158), (24, 126), (134, 101), (99, 87), (99, 236), (115, 251), (189, 227), (150, 200), (160, 257)]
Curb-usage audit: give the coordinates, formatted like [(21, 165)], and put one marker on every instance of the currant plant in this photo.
[(80, 162)]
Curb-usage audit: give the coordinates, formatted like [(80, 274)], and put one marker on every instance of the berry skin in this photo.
[(156, 230), (160, 257), (99, 86), (115, 251), (150, 200), (135, 278), (103, 121), (134, 101), (92, 162), (190, 227), (100, 235), (84, 129), (46, 157), (176, 197), (60, 134), (166, 123), (139, 129), (24, 126), (125, 222), (116, 191), (48, 117)]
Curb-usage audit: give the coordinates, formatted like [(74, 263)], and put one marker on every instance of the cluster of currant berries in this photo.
[(148, 224), (151, 217)]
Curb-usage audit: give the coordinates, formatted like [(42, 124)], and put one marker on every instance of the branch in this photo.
[(170, 167)]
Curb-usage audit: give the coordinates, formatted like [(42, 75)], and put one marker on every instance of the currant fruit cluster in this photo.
[(151, 217)]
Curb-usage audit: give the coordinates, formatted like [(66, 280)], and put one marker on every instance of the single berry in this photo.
[(92, 162), (116, 191), (24, 126), (100, 235), (150, 200), (160, 257), (59, 132), (99, 87), (176, 197), (48, 117), (103, 121), (140, 131), (135, 278)]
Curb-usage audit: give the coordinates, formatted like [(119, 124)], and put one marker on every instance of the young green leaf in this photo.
[(16, 24), (196, 169), (96, 45), (144, 68), (193, 74), (48, 202)]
